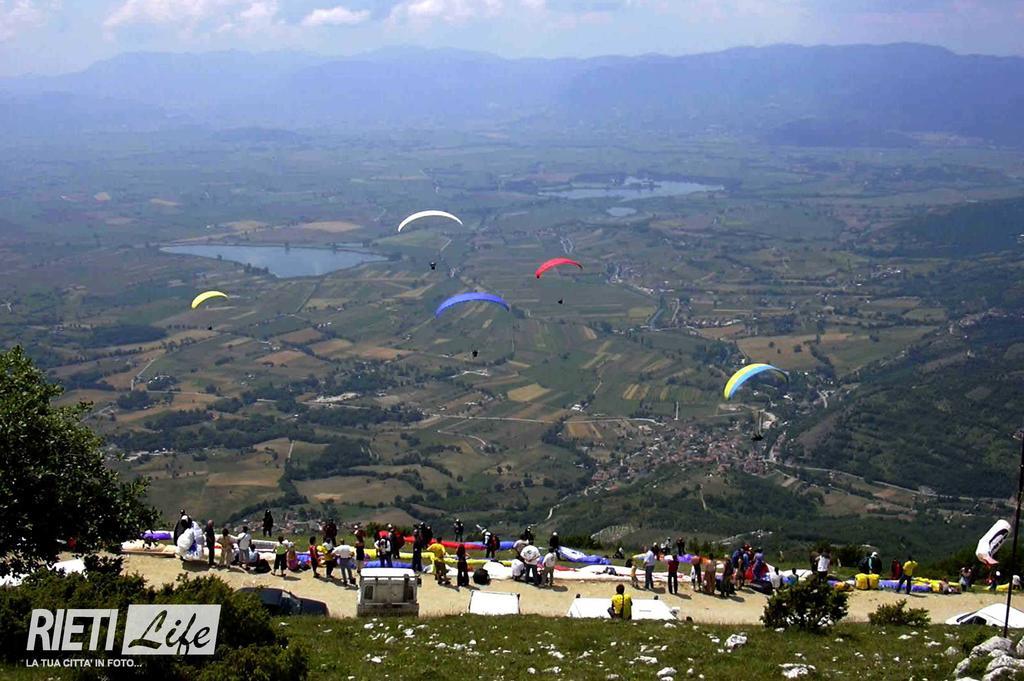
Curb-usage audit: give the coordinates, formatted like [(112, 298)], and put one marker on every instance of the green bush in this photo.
[(897, 614), (248, 647), (809, 606)]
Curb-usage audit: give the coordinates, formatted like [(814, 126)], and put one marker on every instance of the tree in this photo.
[(55, 492)]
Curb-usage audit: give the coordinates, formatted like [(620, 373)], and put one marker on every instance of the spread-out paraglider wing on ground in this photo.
[(427, 214), (203, 297), (469, 298), (992, 540), (555, 262), (748, 372)]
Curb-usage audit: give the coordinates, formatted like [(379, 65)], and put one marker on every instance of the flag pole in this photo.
[(1016, 528)]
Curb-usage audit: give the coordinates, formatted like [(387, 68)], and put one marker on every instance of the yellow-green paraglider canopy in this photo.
[(203, 297)]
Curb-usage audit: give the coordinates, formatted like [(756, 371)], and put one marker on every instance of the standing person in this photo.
[(428, 534), (550, 560), (681, 547), (965, 579), (245, 548), (383, 546), (331, 531), (227, 548), (895, 569), (726, 586), (822, 566), (210, 535), (314, 556), (776, 579), (342, 555), (528, 534), (486, 536), (280, 556), (709, 575), (397, 542), (360, 536), (760, 567), (874, 564), (695, 572), (462, 565), (907, 574), (492, 548), (417, 548), (673, 573), (554, 544), (622, 604), (634, 563), (268, 523), (459, 530), (649, 559), (440, 569)]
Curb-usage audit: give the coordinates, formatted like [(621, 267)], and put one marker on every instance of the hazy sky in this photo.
[(50, 36)]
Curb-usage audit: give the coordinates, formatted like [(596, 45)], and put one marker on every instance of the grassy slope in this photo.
[(506, 648)]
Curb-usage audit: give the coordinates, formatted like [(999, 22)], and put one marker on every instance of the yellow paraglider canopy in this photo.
[(203, 297)]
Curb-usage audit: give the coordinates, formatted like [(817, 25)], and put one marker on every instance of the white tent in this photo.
[(594, 608), (493, 603), (991, 615)]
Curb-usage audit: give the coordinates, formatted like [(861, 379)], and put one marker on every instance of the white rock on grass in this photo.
[(1003, 667), (793, 670), (666, 671), (735, 641), (996, 644), (951, 651), (647, 659), (961, 668)]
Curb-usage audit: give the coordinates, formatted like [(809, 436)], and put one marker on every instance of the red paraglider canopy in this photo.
[(555, 262)]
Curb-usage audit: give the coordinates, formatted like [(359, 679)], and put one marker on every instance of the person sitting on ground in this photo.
[(619, 554), (292, 558), (550, 560), (314, 557), (481, 576), (622, 604)]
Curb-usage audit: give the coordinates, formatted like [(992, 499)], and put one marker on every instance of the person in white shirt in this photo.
[(244, 542), (549, 567), (824, 562), (518, 569), (649, 559), (518, 546), (775, 578), (343, 561)]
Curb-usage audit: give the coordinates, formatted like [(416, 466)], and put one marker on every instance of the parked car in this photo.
[(281, 602)]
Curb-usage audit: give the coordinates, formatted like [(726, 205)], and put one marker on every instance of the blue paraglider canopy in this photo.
[(471, 297)]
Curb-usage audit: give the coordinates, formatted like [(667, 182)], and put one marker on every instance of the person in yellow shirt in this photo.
[(622, 604), (440, 569), (908, 574)]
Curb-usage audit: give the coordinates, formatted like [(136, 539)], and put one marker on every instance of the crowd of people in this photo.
[(744, 567)]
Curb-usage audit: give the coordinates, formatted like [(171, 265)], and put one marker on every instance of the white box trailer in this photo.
[(388, 591)]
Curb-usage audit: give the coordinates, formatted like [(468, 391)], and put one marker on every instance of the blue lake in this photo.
[(280, 261)]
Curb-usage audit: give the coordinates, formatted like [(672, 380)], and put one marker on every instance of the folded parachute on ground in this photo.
[(555, 262), (427, 214), (469, 298), (989, 544), (748, 372)]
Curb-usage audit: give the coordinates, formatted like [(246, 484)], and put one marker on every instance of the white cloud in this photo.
[(182, 13), (262, 11), (18, 15), (335, 16), (451, 11)]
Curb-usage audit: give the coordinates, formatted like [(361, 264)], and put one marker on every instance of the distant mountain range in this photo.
[(846, 95)]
